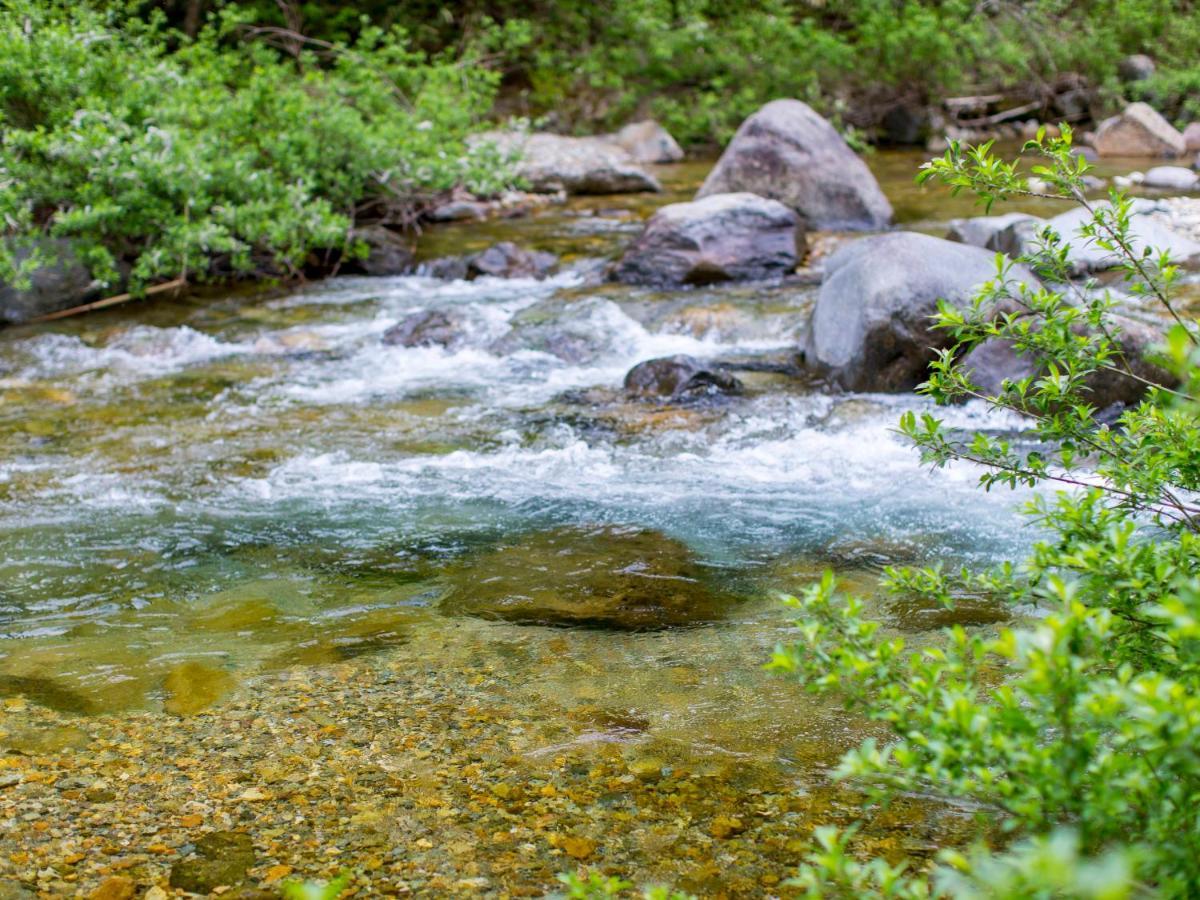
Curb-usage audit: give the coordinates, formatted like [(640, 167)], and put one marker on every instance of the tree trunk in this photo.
[(192, 17)]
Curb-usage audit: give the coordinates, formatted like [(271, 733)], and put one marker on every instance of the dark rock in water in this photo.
[(606, 577), (871, 328), (679, 379), (387, 253), (46, 692), (724, 237), (447, 268), (223, 858), (925, 615), (905, 125), (787, 152), (994, 361), (62, 281), (507, 260), (428, 328), (503, 260)]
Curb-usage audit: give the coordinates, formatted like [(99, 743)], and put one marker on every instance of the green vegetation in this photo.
[(222, 156), (1072, 736), (702, 66)]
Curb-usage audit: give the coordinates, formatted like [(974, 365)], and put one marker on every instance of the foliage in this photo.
[(222, 157), (702, 66), (316, 890), (594, 886), (1074, 735)]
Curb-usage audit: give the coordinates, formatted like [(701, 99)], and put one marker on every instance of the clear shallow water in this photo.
[(256, 484), (234, 477)]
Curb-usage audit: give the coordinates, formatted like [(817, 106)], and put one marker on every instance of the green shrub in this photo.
[(1073, 734), (222, 157)]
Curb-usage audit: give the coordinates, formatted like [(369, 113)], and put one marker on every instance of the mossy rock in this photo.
[(602, 577), (223, 859), (192, 687)]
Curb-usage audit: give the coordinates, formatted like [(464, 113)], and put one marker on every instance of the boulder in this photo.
[(552, 163), (648, 142), (1139, 131), (1147, 229), (1191, 138), (870, 328), (387, 252), (427, 328), (1171, 178), (60, 282), (1005, 234), (507, 260), (723, 237), (787, 152), (1137, 67), (679, 379), (995, 360), (601, 577)]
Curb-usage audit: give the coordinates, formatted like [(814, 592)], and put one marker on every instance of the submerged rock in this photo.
[(606, 576), (994, 361), (787, 152), (648, 142), (192, 687), (677, 379), (724, 237), (223, 859), (871, 328), (1139, 131), (553, 162), (427, 328)]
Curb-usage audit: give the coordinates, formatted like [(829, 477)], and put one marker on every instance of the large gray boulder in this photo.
[(871, 327), (60, 282), (724, 237), (994, 361), (787, 152), (1139, 131), (1148, 228), (648, 142), (554, 162)]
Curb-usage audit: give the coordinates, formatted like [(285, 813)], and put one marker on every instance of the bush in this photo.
[(1073, 735), (222, 157)]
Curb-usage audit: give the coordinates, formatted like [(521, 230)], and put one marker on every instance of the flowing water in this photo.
[(228, 491)]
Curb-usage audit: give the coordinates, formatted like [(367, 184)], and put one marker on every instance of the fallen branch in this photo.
[(176, 284)]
